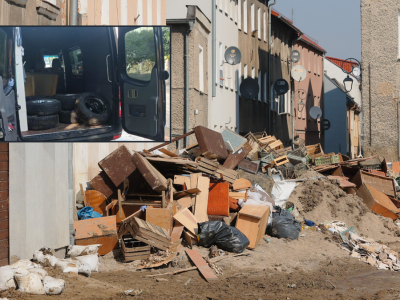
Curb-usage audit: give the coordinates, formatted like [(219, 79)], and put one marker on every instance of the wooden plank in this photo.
[(161, 217), (241, 183), (183, 203), (201, 203), (185, 193), (181, 180), (237, 195), (169, 153), (187, 219), (201, 264), (95, 227), (118, 165), (153, 177), (280, 161), (234, 159)]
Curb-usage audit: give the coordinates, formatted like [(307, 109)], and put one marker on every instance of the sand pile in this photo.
[(323, 200)]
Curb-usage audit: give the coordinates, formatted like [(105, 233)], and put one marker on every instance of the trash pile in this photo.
[(226, 191)]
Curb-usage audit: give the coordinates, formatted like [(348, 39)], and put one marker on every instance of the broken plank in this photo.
[(181, 180), (201, 264), (241, 184), (187, 219), (169, 153), (153, 177), (201, 204), (183, 203), (182, 194), (237, 195)]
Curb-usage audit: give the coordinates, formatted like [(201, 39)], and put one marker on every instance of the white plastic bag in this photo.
[(42, 273), (85, 269), (31, 284), (76, 250), (67, 266), (281, 191), (6, 278), (92, 260), (53, 286)]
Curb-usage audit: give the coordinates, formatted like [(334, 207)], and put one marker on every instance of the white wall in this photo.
[(39, 197), (334, 71)]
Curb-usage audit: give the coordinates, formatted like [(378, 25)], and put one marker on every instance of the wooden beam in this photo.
[(171, 141)]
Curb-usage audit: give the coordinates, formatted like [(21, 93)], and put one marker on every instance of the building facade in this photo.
[(381, 77), (310, 89)]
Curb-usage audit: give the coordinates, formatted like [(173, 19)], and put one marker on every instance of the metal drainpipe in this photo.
[(293, 92), (71, 195), (214, 45), (269, 64), (74, 12), (187, 102)]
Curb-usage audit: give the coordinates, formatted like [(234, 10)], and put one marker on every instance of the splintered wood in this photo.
[(215, 169), (148, 233)]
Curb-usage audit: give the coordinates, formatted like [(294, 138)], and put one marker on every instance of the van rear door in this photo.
[(142, 79)]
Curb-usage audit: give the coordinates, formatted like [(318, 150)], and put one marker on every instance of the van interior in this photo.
[(64, 60)]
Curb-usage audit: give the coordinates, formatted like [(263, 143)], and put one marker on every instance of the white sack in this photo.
[(31, 284), (76, 250), (6, 278), (53, 286), (42, 273), (92, 260), (281, 191), (85, 269), (67, 266)]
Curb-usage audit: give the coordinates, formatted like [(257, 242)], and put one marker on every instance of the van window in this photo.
[(3, 56), (75, 57), (140, 53), (48, 60)]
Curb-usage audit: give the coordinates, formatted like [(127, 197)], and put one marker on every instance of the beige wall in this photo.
[(14, 14), (122, 12), (381, 67)]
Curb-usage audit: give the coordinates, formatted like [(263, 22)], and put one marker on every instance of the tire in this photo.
[(92, 109), (43, 107), (67, 101), (68, 117), (42, 122), (30, 98)]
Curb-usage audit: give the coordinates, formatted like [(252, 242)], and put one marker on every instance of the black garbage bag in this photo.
[(284, 225), (225, 237)]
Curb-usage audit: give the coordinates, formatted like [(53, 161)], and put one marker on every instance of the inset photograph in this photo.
[(84, 83)]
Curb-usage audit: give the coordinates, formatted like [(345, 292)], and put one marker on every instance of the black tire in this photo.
[(92, 109), (30, 98), (42, 122), (68, 117), (43, 107), (67, 101)]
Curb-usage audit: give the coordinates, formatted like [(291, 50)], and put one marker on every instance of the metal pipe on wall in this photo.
[(74, 12), (187, 102), (214, 45), (269, 64)]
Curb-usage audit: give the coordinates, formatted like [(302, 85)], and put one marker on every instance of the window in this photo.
[(201, 69), (239, 16), (221, 68), (265, 86), (245, 16), (3, 58), (140, 52), (265, 26), (259, 23), (235, 11), (259, 85), (48, 60), (274, 99), (282, 102), (239, 77), (253, 73), (75, 57), (245, 74), (252, 18), (227, 71)]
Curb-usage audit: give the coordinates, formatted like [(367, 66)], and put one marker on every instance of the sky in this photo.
[(336, 25)]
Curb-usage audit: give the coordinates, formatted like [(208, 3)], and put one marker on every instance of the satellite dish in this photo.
[(315, 112), (281, 86), (299, 73), (233, 55), (325, 124), (249, 88), (295, 56)]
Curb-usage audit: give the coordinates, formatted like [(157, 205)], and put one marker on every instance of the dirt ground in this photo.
[(312, 267)]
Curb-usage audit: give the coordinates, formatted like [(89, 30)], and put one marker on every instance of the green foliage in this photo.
[(167, 42), (139, 46)]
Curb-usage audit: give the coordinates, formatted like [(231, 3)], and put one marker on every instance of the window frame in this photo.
[(245, 20)]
